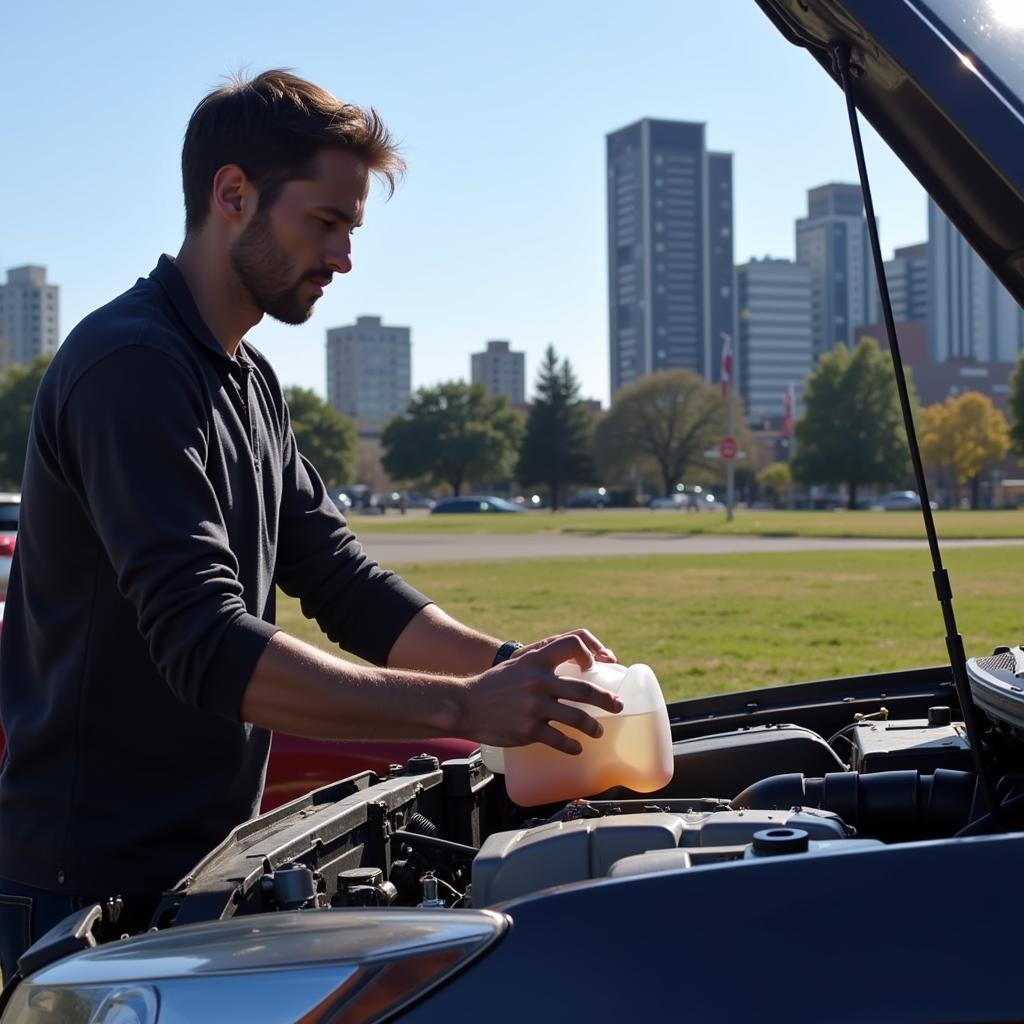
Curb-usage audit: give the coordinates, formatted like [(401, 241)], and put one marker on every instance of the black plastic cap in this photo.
[(772, 841), (360, 876), (939, 716), (420, 764)]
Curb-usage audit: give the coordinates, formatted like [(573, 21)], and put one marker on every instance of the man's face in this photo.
[(286, 255)]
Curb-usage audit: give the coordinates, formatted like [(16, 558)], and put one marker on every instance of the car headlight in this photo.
[(263, 969)]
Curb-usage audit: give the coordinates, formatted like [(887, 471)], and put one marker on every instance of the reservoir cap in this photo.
[(772, 841)]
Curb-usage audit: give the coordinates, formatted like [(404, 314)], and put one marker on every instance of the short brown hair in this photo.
[(272, 126)]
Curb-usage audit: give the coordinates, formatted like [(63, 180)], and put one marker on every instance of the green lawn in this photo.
[(718, 623), (765, 522)]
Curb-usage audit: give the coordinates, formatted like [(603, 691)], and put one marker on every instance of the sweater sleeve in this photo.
[(360, 606), (134, 438)]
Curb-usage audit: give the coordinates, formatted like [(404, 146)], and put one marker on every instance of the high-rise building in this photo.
[(501, 371), (833, 241), (29, 316), (971, 315), (907, 277), (369, 371), (670, 250), (775, 341)]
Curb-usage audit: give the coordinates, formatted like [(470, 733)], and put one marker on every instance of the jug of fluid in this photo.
[(635, 749)]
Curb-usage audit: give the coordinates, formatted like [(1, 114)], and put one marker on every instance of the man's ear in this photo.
[(233, 196)]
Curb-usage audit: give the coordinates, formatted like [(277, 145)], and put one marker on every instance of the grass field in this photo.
[(717, 623), (764, 522)]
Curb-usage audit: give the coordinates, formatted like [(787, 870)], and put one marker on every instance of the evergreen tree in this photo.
[(556, 448)]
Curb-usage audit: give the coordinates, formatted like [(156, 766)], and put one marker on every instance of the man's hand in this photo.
[(596, 648), (516, 702)]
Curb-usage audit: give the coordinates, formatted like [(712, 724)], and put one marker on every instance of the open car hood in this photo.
[(942, 82)]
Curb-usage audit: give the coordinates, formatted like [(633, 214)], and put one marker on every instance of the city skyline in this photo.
[(498, 230)]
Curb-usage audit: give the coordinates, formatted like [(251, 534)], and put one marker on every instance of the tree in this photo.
[(323, 435), (556, 447), (852, 430), (963, 435), (1017, 408), (18, 387), (451, 434), (664, 421), (776, 478)]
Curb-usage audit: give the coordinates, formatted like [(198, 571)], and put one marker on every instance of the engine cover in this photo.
[(512, 864)]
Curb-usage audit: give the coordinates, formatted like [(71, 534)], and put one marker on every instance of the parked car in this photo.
[(529, 501), (10, 510), (679, 502), (686, 499), (341, 501), (806, 827), (475, 503), (597, 497), (902, 501)]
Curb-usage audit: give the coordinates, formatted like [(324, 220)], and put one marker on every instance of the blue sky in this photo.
[(502, 109)]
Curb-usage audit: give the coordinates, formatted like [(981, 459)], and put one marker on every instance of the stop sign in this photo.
[(727, 448)]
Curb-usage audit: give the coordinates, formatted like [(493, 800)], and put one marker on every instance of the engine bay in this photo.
[(869, 761)]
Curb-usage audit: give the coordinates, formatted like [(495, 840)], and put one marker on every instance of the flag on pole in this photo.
[(725, 372), (787, 412)]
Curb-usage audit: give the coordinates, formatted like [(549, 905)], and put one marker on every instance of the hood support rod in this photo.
[(846, 71)]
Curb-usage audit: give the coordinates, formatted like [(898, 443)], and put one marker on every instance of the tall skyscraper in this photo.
[(501, 371), (369, 371), (971, 315), (833, 241), (670, 250), (775, 341), (907, 275), (29, 316)]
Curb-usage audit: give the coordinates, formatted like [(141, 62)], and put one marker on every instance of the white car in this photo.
[(902, 501)]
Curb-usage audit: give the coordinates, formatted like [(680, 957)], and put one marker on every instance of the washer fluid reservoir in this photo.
[(635, 750)]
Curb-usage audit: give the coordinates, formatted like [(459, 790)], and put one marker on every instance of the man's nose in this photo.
[(339, 259)]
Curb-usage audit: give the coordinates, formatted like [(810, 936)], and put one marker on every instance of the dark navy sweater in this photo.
[(163, 498)]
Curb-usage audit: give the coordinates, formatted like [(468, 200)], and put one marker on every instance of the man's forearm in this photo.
[(298, 689), (435, 642)]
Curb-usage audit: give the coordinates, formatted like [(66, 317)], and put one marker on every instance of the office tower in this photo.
[(369, 371), (29, 316), (775, 339), (971, 315), (501, 371), (907, 276), (833, 241), (670, 250)]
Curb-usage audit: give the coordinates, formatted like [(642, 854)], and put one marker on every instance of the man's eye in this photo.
[(325, 222)]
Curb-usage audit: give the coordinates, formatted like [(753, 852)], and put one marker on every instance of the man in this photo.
[(164, 498)]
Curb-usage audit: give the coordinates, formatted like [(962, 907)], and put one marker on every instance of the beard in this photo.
[(267, 275)]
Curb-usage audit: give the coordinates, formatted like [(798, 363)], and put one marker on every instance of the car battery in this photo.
[(921, 744)]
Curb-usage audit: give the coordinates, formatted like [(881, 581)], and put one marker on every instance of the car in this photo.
[(900, 501), (475, 503), (342, 502), (872, 821), (597, 497), (680, 502), (10, 511)]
